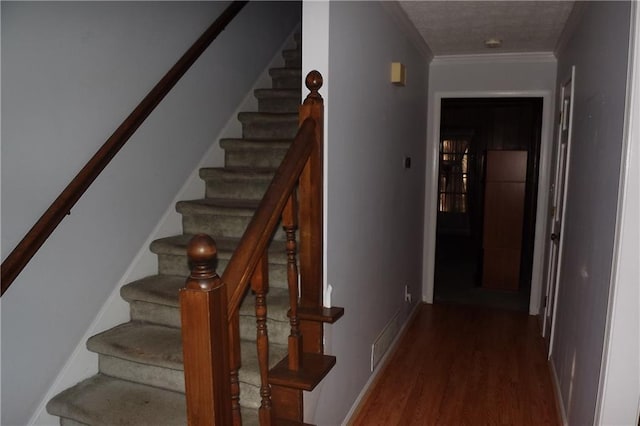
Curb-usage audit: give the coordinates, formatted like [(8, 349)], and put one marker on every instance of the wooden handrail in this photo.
[(258, 234), (33, 240), (299, 172), (256, 237)]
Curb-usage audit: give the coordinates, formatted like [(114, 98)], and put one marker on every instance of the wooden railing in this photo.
[(33, 240), (210, 305)]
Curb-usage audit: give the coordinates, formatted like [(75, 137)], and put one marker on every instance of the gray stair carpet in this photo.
[(140, 379)]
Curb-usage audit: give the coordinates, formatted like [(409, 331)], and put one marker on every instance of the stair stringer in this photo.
[(82, 363)]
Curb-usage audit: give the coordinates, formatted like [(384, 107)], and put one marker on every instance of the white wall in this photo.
[(620, 380), (70, 73), (374, 206), (598, 48), (506, 75)]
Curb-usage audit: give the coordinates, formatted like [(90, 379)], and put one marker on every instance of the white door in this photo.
[(558, 199)]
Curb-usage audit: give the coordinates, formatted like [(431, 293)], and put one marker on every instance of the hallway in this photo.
[(460, 365)]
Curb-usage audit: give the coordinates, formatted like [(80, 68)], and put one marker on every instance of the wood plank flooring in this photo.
[(462, 365)]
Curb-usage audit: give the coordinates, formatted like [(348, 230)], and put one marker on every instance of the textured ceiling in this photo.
[(461, 27)]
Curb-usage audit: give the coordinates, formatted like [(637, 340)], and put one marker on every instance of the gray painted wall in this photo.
[(374, 206), (598, 49), (620, 384), (70, 73)]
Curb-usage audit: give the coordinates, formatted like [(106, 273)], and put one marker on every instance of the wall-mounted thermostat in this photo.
[(398, 74)]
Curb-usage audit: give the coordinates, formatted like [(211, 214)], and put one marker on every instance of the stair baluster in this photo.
[(260, 285), (234, 365), (281, 387), (290, 225), (203, 304)]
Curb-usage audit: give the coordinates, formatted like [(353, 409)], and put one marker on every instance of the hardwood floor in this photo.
[(463, 365)]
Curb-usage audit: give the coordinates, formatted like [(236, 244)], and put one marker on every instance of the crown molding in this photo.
[(522, 57)]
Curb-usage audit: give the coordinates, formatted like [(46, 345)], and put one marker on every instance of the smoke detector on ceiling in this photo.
[(492, 43)]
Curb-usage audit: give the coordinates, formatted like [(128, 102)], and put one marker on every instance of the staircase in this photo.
[(140, 379)]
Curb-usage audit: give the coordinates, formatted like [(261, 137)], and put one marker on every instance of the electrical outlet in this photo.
[(407, 162), (407, 295)]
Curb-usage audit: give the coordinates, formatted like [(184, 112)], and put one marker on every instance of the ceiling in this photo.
[(461, 27)]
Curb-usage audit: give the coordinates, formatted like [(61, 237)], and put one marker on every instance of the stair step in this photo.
[(286, 78), (103, 400), (278, 100), (143, 353), (227, 218), (292, 58), (152, 355), (237, 183), (314, 368), (243, 153), (268, 125), (328, 315), (141, 378), (107, 401), (155, 300), (172, 257)]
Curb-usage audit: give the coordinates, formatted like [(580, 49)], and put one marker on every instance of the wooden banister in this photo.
[(260, 286), (203, 304), (258, 233), (33, 240), (301, 171)]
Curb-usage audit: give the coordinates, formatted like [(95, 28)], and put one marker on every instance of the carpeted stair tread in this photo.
[(102, 400), (172, 257), (177, 245), (239, 143), (270, 125), (220, 217), (160, 346), (157, 289), (237, 173), (288, 71), (236, 182), (292, 57), (142, 343), (278, 100), (243, 153), (277, 93), (218, 207), (286, 78), (268, 117), (106, 401), (163, 290), (155, 300)]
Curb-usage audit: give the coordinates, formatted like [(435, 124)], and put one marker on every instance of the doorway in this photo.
[(484, 241), (558, 195)]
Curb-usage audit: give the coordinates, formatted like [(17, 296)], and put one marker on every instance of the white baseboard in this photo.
[(381, 365), (82, 363), (557, 394)]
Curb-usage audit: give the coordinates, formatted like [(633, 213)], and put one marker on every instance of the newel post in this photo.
[(203, 305), (310, 198)]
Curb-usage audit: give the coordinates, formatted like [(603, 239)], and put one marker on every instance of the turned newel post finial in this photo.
[(202, 253), (313, 81)]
